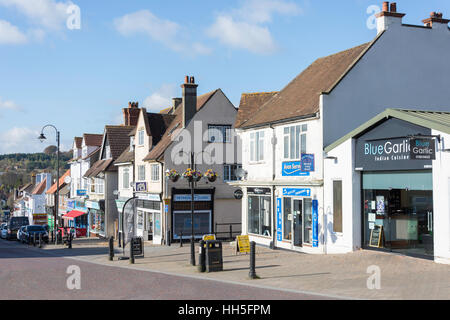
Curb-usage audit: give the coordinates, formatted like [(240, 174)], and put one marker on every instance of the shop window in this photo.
[(337, 206), (259, 216)]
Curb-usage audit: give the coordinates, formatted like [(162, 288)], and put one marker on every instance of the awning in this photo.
[(73, 214)]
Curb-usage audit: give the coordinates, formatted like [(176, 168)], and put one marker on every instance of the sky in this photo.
[(76, 64)]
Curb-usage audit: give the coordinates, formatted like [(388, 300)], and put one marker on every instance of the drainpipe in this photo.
[(163, 196), (274, 200)]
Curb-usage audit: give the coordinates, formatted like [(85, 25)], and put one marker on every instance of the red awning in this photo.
[(73, 214)]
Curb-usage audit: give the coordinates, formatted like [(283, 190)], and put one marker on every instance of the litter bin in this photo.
[(213, 258)]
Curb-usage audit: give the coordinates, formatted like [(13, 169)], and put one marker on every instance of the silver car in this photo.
[(3, 230), (20, 233)]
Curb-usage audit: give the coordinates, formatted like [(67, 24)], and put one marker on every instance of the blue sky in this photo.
[(79, 79)]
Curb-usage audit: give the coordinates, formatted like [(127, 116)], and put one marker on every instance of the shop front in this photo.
[(395, 163), (148, 217), (296, 218), (181, 218), (96, 218)]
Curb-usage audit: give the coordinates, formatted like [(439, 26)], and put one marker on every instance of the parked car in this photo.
[(14, 225), (3, 230), (20, 233), (30, 231)]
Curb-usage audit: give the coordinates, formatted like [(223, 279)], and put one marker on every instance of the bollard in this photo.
[(120, 237), (111, 249), (131, 253), (70, 239), (34, 239), (252, 273), (201, 257), (168, 238), (231, 232), (52, 236), (40, 240), (181, 239)]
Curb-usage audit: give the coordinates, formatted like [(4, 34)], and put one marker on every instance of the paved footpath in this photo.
[(332, 276)]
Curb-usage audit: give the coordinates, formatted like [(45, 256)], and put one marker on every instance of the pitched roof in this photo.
[(158, 124), (250, 102), (301, 96), (166, 140), (78, 141), (118, 139), (93, 140), (436, 120), (97, 167), (26, 187), (40, 188), (126, 157), (52, 189), (93, 154)]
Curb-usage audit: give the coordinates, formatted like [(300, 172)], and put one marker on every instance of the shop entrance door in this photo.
[(297, 207)]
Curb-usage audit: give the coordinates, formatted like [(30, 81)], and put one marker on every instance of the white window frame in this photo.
[(141, 173), (154, 172), (126, 178), (257, 146), (294, 141), (141, 137), (227, 176), (221, 131)]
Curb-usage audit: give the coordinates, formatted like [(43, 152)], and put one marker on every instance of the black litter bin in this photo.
[(213, 257)]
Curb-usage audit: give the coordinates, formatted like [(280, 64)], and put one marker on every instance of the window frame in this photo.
[(230, 166), (225, 130), (295, 141), (152, 172), (257, 140), (141, 173)]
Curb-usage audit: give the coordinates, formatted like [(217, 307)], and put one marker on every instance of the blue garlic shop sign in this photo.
[(376, 151)]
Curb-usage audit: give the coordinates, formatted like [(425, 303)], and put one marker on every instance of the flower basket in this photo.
[(192, 175), (173, 175), (211, 175)]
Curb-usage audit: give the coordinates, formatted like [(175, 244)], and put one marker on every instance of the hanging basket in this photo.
[(174, 178), (212, 179)]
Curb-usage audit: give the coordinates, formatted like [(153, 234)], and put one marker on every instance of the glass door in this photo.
[(297, 211)]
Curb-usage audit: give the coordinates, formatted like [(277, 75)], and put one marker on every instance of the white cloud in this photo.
[(43, 16), (10, 34), (166, 32), (20, 140), (160, 99), (49, 14), (9, 105), (246, 27)]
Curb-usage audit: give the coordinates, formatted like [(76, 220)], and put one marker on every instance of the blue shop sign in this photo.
[(293, 169), (279, 221), (315, 223), (297, 192), (307, 163)]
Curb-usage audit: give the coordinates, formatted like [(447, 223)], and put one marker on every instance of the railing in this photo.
[(228, 233)]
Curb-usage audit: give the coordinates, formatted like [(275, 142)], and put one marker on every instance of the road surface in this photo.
[(32, 274)]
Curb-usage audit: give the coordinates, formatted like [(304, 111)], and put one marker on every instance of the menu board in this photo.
[(243, 244), (375, 237)]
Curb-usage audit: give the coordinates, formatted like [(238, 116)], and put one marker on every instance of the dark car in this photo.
[(30, 231), (14, 225)]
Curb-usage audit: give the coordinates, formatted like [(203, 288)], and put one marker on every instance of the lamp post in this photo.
[(42, 138), (193, 157)]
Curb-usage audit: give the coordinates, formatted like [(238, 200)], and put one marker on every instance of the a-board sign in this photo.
[(137, 246), (243, 244), (208, 237), (376, 236)]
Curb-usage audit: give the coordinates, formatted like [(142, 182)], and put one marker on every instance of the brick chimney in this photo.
[(388, 17), (189, 97), (436, 21), (131, 114)]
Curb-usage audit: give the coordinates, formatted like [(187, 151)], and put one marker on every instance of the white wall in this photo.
[(343, 169), (441, 201), (408, 67)]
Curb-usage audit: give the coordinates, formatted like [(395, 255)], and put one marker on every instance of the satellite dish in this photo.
[(241, 173), (116, 192), (67, 180)]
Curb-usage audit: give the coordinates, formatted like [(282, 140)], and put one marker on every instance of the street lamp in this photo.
[(193, 157), (42, 138)]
